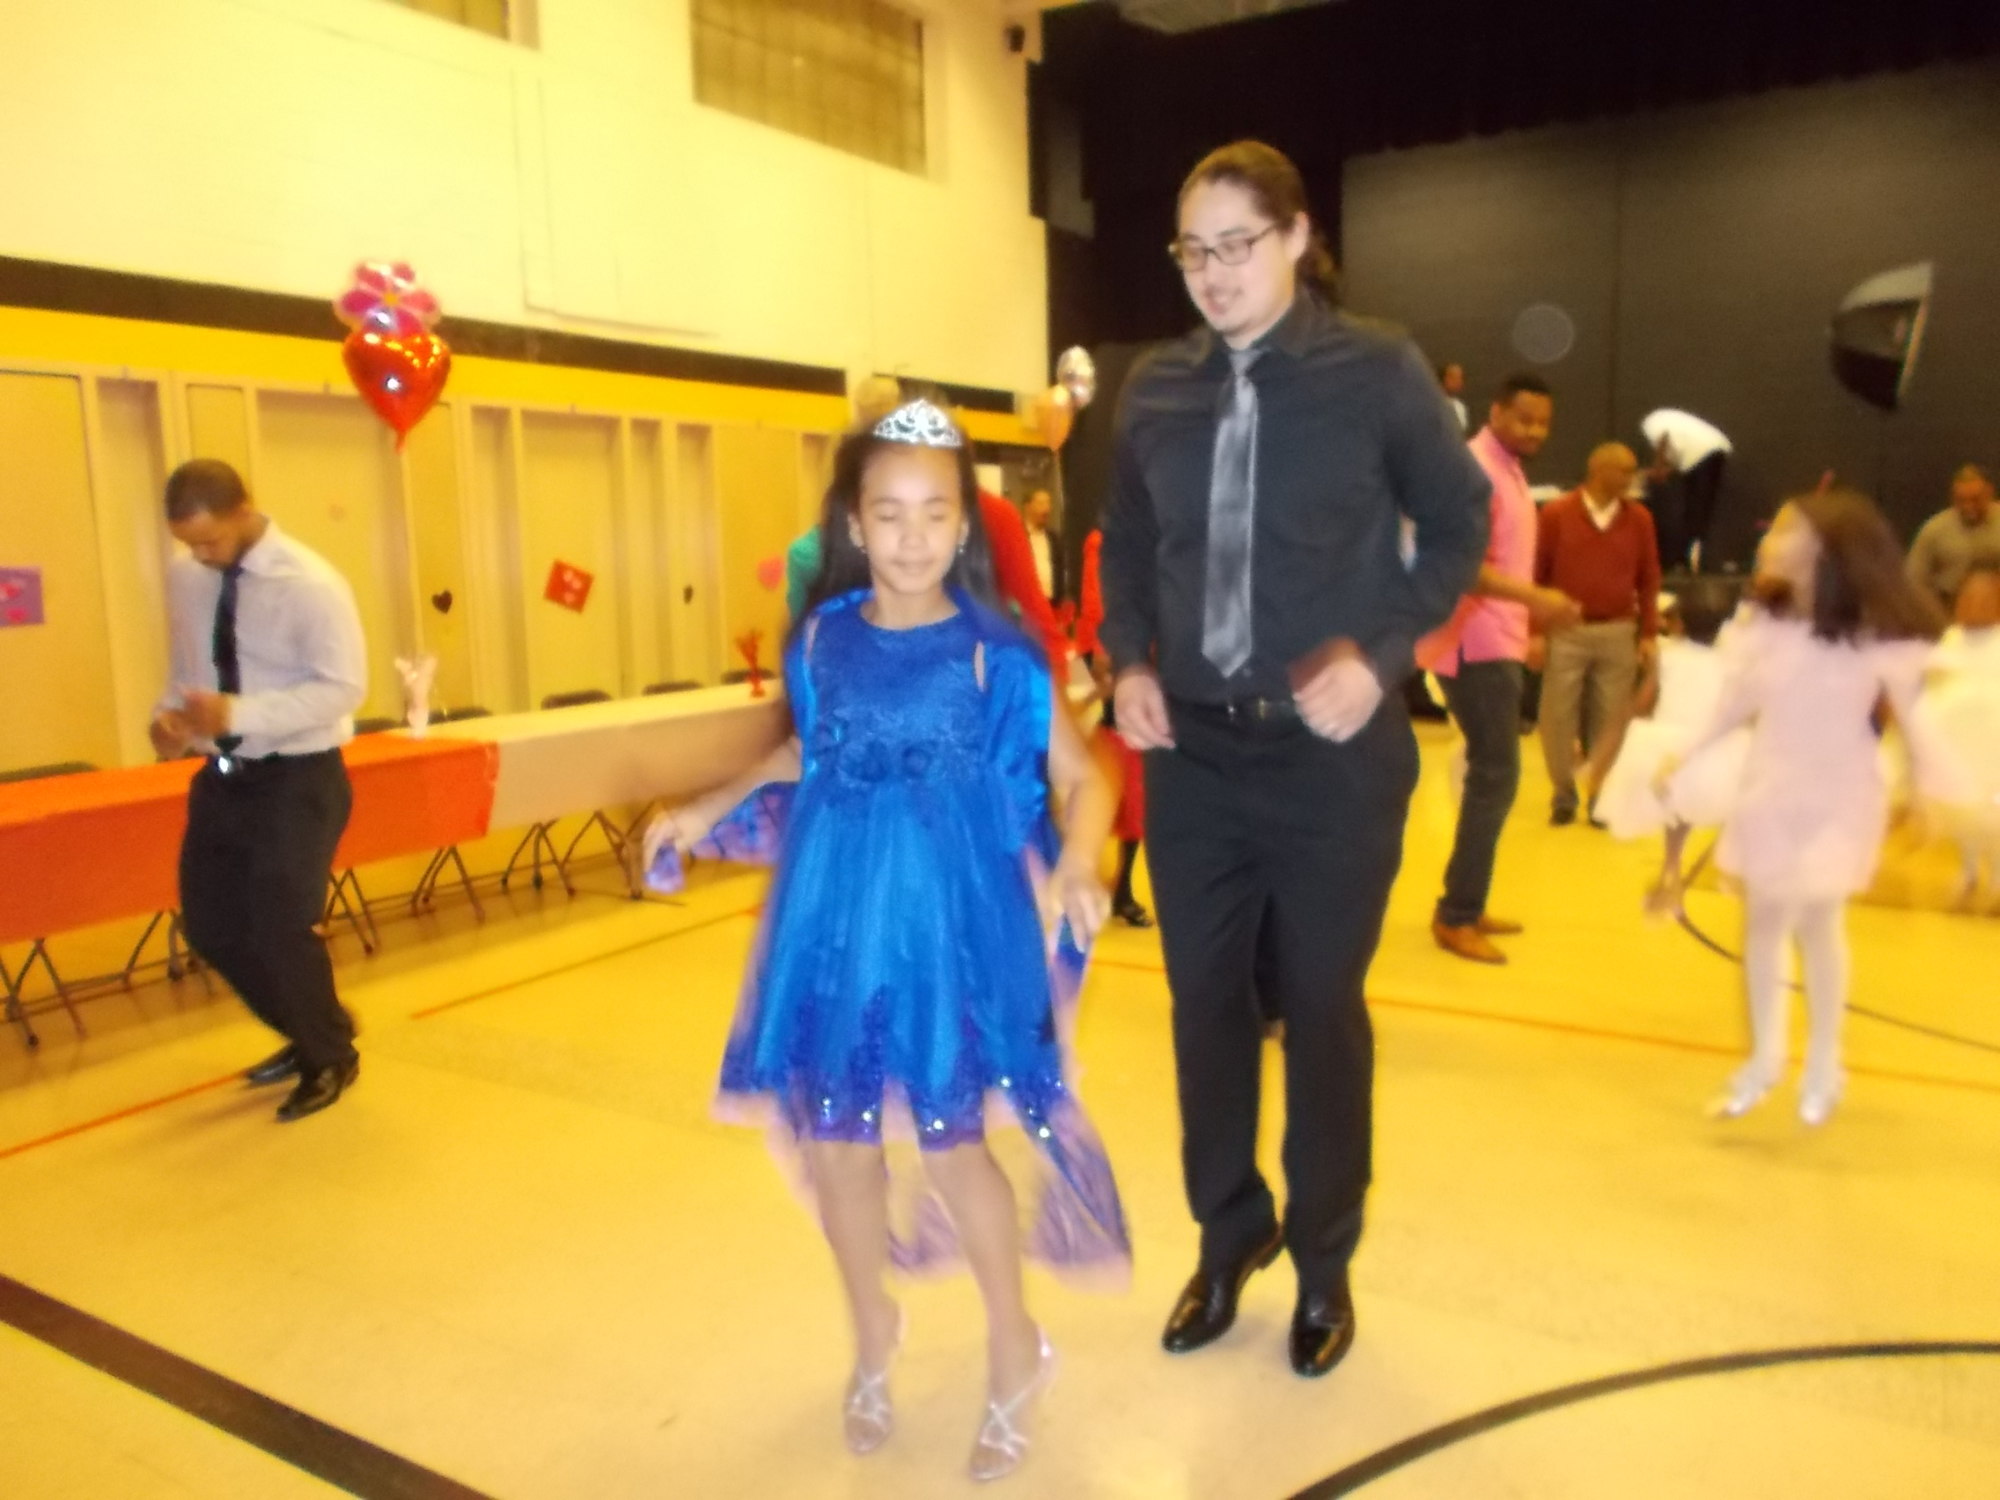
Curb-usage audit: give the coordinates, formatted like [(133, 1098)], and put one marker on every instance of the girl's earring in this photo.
[(961, 546)]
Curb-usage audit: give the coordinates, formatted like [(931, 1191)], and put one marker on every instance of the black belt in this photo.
[(254, 767), (1245, 715)]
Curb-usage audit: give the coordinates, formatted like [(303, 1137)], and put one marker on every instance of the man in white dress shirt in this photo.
[(1042, 542), (1684, 482), (268, 665)]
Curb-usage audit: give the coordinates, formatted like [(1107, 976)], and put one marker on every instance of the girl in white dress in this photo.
[(1834, 629), (1692, 671)]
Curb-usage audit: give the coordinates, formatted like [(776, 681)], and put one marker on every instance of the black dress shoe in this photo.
[(276, 1068), (317, 1090), (1132, 914), (1322, 1332), (1208, 1304)]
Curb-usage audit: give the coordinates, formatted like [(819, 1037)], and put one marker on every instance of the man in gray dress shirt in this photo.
[(268, 665)]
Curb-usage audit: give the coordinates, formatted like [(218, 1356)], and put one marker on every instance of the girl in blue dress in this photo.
[(906, 984)]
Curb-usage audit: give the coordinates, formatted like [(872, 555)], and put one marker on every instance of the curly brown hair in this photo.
[(1860, 587)]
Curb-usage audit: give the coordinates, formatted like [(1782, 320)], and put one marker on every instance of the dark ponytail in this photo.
[(1274, 184)]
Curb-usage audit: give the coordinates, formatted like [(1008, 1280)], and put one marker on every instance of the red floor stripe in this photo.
[(1604, 1033), (1565, 1028), (129, 1111), (124, 1114), (514, 984)]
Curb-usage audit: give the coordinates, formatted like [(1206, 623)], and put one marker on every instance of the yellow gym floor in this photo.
[(521, 1261)]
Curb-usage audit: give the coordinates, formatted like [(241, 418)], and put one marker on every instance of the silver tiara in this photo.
[(921, 425)]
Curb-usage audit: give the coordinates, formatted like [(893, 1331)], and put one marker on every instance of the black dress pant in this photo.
[(1274, 831), (260, 840), (1683, 508)]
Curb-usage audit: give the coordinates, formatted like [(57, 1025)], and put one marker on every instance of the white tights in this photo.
[(1770, 925)]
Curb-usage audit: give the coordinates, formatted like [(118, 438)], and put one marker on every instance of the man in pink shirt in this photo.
[(1477, 657)]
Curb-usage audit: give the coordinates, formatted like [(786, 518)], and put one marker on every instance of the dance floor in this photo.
[(521, 1261)]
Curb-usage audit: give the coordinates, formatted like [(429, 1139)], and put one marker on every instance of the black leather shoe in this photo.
[(1208, 1304), (1322, 1332), (276, 1068), (317, 1090), (1132, 914)]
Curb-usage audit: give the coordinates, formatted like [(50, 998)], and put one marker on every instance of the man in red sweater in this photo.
[(1600, 550)]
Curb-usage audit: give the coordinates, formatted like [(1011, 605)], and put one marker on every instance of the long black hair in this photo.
[(843, 567)]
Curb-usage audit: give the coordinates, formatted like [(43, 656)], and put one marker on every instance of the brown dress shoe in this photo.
[(1467, 942), (1498, 927)]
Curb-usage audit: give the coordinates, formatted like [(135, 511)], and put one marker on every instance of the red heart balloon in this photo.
[(400, 376)]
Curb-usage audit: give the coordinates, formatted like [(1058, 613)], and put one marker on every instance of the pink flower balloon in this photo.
[(386, 299)]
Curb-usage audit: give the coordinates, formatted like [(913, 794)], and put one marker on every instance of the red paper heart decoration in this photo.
[(771, 574), (401, 376)]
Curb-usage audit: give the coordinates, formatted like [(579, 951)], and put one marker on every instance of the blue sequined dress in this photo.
[(901, 988)]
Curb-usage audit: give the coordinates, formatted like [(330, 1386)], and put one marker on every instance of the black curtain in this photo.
[(1359, 76)]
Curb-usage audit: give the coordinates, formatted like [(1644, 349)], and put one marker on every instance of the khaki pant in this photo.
[(1587, 689)]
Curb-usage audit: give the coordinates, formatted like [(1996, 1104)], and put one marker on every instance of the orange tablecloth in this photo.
[(95, 847)]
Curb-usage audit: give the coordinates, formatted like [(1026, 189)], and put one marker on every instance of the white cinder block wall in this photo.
[(574, 184)]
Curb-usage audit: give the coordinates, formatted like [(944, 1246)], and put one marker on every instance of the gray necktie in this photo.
[(1232, 513)]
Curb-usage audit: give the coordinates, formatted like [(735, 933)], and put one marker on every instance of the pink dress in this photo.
[(1809, 817)]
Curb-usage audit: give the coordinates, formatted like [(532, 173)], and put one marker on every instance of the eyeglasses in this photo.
[(1231, 250)]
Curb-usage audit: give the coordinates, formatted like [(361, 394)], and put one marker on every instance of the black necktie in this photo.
[(228, 675)]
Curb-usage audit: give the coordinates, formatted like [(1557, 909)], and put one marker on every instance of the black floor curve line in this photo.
[(1387, 1460), (1939, 1034), (340, 1458)]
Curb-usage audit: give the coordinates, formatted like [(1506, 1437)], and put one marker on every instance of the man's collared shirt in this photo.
[(1353, 435)]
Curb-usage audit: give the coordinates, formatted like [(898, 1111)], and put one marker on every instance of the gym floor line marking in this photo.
[(1607, 1034), (1422, 1445), (1937, 1033), (132, 1110), (583, 963), (305, 1442)]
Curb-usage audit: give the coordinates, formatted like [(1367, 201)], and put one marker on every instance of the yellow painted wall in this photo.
[(672, 492), (571, 184), (60, 698)]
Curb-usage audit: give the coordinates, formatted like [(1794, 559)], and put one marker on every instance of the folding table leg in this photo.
[(533, 843), (445, 859), (14, 1010), (41, 951), (180, 959), (453, 857), (17, 985), (354, 911), (132, 963), (427, 882), (617, 838)]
